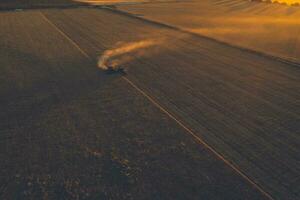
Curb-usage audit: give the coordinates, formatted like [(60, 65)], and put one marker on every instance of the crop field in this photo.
[(191, 117), (272, 29)]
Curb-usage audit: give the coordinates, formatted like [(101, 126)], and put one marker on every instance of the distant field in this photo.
[(123, 2), (270, 28)]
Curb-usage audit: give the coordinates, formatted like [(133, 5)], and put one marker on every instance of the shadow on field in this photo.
[(26, 87), (42, 154), (29, 4)]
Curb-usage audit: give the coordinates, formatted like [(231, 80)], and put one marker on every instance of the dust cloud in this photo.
[(123, 53)]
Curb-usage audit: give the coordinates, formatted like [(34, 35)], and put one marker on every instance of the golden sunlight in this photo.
[(289, 2)]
